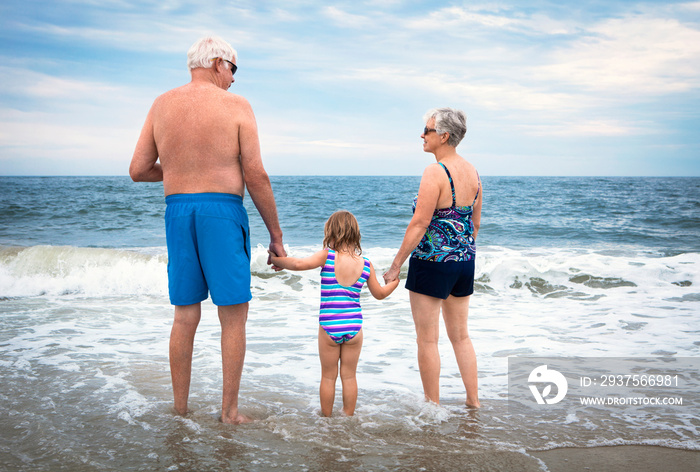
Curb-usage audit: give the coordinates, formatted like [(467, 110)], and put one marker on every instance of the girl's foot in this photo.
[(238, 419)]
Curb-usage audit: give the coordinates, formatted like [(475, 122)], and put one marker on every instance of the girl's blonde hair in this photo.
[(342, 231)]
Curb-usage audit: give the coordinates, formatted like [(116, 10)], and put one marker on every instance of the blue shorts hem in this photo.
[(206, 297), (232, 302), (187, 302)]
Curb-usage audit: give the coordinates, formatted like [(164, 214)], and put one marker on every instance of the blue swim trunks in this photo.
[(208, 248)]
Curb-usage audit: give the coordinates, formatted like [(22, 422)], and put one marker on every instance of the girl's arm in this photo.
[(376, 289), (300, 263)]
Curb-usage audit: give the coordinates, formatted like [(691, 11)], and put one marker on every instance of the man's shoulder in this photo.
[(171, 94), (238, 105), (239, 99)]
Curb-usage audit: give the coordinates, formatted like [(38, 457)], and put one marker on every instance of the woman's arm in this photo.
[(300, 263), (476, 211), (428, 196), (376, 289)]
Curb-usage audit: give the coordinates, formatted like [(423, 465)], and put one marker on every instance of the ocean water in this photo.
[(566, 267)]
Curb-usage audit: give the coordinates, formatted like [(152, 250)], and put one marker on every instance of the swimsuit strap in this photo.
[(365, 269), (452, 185)]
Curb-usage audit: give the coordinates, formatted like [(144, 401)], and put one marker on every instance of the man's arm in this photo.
[(256, 179), (144, 166)]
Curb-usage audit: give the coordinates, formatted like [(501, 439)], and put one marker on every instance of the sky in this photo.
[(603, 88)]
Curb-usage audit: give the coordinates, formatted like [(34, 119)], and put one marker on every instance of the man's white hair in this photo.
[(207, 48)]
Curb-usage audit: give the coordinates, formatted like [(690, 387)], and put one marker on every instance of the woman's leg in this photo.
[(455, 311), (349, 357), (426, 317), (329, 353)]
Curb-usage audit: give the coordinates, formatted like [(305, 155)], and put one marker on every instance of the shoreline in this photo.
[(640, 458)]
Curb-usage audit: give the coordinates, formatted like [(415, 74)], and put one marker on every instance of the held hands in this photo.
[(275, 250), (392, 274), (392, 284)]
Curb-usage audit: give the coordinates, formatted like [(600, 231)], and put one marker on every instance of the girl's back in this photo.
[(348, 267)]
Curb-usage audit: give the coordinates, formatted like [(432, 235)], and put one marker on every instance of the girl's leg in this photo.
[(455, 311), (426, 317), (329, 353), (349, 356)]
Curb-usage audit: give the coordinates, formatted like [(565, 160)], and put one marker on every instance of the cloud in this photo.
[(39, 135), (166, 27), (50, 94), (630, 56), (68, 120), (490, 94), (34, 85), (456, 21), (345, 19), (589, 128)]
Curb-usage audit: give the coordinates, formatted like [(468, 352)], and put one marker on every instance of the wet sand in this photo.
[(619, 458)]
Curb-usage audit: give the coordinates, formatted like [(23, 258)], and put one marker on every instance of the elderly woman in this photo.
[(440, 240)]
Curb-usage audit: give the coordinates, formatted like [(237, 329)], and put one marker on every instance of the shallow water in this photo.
[(85, 320)]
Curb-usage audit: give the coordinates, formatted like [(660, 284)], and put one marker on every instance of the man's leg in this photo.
[(181, 345), (233, 343)]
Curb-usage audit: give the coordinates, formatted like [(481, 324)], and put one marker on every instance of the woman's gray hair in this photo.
[(207, 48), (449, 120)]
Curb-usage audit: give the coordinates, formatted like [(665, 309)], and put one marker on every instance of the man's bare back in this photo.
[(196, 128), (201, 132)]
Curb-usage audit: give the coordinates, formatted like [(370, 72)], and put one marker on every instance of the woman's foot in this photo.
[(473, 405)]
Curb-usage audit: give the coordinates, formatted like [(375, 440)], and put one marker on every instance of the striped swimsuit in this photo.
[(341, 315)]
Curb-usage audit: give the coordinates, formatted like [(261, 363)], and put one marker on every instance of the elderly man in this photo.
[(207, 142)]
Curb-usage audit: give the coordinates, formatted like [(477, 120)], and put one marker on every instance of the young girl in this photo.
[(340, 321)]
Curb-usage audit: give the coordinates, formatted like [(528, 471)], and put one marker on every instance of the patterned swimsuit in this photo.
[(340, 315), (449, 236)]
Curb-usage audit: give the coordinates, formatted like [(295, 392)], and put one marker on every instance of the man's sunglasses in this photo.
[(234, 67)]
